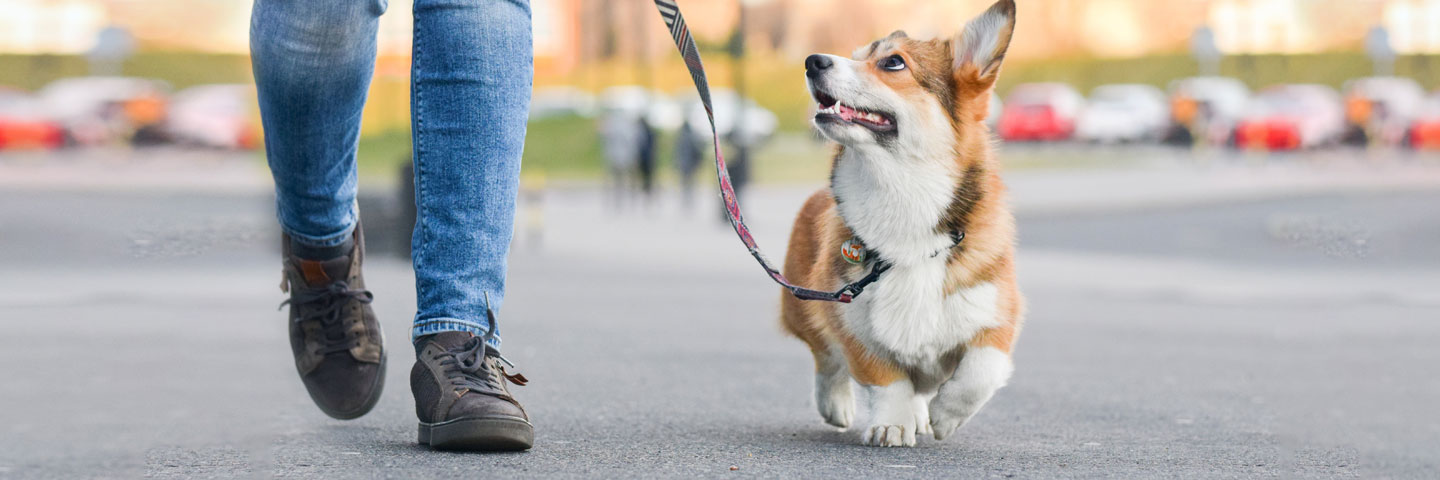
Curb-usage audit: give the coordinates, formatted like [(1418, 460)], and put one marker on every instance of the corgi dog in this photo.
[(914, 186)]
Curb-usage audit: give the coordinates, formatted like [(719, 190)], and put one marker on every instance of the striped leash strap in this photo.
[(671, 13)]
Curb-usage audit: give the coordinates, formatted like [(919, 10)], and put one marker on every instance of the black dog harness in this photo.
[(881, 265)]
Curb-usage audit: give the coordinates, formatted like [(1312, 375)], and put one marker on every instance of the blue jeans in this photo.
[(470, 93)]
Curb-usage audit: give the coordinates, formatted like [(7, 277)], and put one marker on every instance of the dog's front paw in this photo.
[(980, 374), (896, 415), (889, 436), (922, 416)]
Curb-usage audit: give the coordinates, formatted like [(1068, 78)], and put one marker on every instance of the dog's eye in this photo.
[(892, 63)]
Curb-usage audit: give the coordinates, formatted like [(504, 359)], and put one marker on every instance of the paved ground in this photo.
[(1290, 334)]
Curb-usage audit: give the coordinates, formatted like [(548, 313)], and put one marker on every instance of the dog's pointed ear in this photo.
[(980, 47)]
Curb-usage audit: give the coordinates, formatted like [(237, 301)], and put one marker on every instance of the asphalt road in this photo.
[(1290, 337)]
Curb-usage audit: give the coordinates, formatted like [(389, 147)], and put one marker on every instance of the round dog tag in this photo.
[(853, 251)]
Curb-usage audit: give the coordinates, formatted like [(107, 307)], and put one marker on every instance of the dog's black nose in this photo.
[(814, 64)]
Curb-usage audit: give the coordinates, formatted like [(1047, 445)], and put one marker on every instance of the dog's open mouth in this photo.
[(832, 110)]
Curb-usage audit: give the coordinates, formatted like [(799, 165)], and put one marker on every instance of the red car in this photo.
[(1425, 130), (1040, 111), (1292, 117), (24, 126)]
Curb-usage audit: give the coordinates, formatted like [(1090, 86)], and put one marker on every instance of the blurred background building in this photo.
[(586, 48), (570, 32)]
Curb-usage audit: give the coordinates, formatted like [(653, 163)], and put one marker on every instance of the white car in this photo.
[(218, 116), (1123, 113), (1211, 105), (96, 110), (757, 126), (992, 116), (560, 101), (1382, 107), (633, 101)]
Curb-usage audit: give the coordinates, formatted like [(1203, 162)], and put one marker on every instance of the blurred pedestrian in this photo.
[(620, 138), (470, 91), (646, 160), (687, 161), (737, 165)]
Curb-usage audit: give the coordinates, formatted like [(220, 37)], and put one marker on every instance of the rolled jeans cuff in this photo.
[(438, 325), (325, 241)]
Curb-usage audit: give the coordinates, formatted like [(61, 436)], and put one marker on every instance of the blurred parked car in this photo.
[(98, 110), (1040, 111), (1123, 113), (757, 126), (1206, 106), (634, 101), (1425, 130), (220, 116), (559, 101), (24, 125), (1289, 117), (992, 115), (1381, 109)]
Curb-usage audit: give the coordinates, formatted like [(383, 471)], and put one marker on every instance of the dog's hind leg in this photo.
[(834, 396), (810, 260)]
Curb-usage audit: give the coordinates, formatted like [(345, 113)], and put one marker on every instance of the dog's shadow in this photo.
[(815, 434)]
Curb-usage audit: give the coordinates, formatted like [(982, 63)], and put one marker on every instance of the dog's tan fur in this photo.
[(978, 209)]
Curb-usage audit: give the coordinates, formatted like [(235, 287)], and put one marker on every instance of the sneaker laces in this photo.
[(470, 366), (326, 306)]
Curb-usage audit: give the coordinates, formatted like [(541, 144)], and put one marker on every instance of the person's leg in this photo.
[(470, 96), (312, 61), (470, 93)]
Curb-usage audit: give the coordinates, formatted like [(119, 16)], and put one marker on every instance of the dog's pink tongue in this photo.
[(846, 113)]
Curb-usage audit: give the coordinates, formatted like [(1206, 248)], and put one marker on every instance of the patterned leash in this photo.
[(671, 13)]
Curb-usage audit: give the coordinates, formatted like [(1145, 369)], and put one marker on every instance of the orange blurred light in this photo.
[(1183, 109), (1358, 110)]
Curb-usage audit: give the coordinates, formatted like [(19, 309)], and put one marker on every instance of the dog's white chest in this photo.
[(894, 204), (908, 315)]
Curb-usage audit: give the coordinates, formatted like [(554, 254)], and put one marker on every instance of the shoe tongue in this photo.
[(321, 273), (451, 340)]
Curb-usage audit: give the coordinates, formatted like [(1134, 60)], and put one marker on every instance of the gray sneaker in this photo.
[(461, 396), (339, 349)]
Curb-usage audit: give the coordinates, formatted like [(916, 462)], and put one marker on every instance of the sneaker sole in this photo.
[(489, 434)]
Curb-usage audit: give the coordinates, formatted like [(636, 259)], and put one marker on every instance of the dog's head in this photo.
[(899, 93)]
